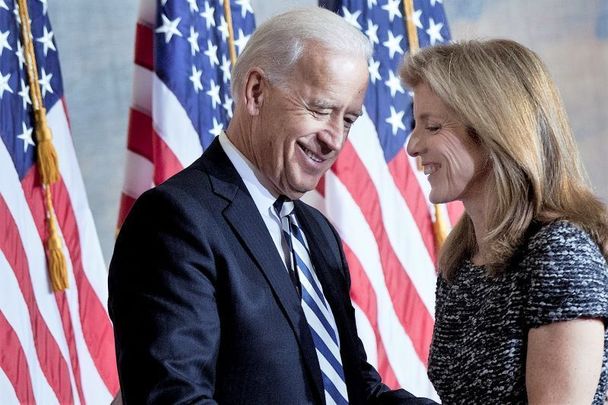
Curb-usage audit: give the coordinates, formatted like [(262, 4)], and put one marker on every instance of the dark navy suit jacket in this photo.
[(204, 310)]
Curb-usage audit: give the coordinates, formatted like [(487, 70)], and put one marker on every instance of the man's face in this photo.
[(302, 126)]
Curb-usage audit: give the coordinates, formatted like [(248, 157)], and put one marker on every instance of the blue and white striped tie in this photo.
[(316, 309)]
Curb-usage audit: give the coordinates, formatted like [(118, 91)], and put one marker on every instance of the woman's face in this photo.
[(454, 162)]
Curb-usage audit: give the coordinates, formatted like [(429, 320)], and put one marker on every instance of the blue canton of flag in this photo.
[(181, 93), (193, 57), (388, 104), (16, 121)]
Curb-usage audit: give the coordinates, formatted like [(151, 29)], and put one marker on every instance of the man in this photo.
[(220, 290)]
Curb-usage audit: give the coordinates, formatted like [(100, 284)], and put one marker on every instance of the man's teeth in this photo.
[(311, 155), (430, 169)]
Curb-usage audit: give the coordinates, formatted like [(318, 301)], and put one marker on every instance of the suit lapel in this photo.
[(243, 216)]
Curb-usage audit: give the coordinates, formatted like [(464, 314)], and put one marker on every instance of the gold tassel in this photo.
[(46, 155), (54, 255)]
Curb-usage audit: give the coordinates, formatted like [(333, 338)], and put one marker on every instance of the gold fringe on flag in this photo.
[(440, 226), (46, 156), (231, 47)]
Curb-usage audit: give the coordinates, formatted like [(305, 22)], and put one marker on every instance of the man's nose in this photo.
[(334, 135)]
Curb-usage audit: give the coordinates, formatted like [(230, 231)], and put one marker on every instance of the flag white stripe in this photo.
[(139, 175), (142, 89), (14, 308), (401, 228), (93, 263), (356, 233), (367, 335), (147, 11), (9, 396), (173, 124)]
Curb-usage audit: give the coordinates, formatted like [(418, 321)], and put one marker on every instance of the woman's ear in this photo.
[(256, 86)]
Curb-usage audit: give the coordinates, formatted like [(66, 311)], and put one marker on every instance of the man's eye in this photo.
[(318, 113), (432, 128)]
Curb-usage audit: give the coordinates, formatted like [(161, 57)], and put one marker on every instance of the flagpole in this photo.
[(440, 229), (46, 156), (231, 47)]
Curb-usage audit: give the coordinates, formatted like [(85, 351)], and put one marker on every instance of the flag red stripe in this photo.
[(409, 307), (126, 202), (96, 326), (144, 42), (14, 363), (52, 363), (139, 138), (166, 163), (410, 190), (364, 295)]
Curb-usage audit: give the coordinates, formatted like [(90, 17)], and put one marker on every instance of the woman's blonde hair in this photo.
[(504, 94)]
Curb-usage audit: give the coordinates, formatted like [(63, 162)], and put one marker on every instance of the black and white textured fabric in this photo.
[(479, 343)]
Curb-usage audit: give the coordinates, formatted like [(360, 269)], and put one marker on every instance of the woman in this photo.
[(522, 298)]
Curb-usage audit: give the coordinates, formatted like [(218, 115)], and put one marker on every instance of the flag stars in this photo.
[(223, 29), (193, 5), (217, 129), (245, 7), (47, 41), (211, 53), (169, 28), (195, 78), (434, 32), (396, 120), (416, 19), (374, 70), (351, 18), (4, 86), (44, 6), (19, 54), (371, 3), (45, 82), (433, 2), (241, 41), (225, 68), (393, 44), (394, 84), (26, 137), (193, 40), (4, 41), (228, 106), (3, 5), (392, 7), (214, 93), (25, 94), (372, 32), (208, 15)]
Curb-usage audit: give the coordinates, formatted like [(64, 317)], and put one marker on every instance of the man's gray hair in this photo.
[(277, 45)]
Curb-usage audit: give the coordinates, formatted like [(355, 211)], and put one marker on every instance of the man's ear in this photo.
[(256, 87)]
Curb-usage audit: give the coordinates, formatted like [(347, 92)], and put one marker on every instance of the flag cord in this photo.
[(440, 230), (231, 48), (46, 156)]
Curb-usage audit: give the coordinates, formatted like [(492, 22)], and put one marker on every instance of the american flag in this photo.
[(181, 91), (377, 199), (54, 347)]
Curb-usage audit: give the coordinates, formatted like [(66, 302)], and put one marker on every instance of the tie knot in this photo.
[(283, 206)]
